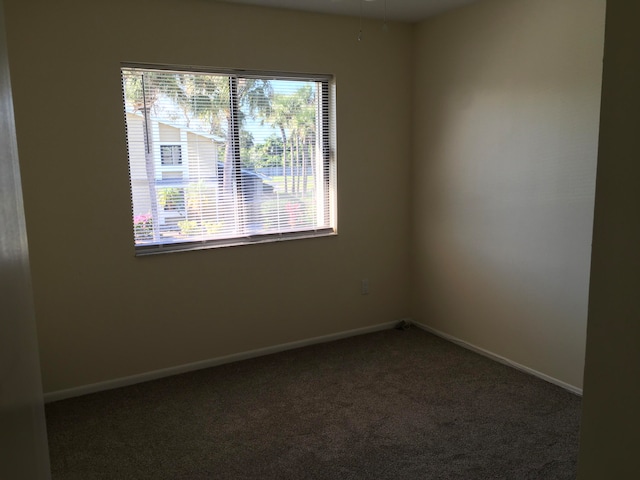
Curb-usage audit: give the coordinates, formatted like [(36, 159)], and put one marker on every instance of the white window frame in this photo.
[(326, 204)]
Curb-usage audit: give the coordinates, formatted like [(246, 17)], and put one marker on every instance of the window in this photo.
[(222, 157), (170, 154)]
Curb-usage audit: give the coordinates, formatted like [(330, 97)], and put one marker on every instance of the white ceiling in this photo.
[(401, 10)]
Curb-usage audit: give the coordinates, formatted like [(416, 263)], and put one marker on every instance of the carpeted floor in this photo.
[(388, 405)]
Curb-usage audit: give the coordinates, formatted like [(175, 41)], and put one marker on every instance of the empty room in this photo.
[(325, 239)]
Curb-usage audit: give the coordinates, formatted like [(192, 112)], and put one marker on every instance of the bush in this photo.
[(143, 227), (187, 227)]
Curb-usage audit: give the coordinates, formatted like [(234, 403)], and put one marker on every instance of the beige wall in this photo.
[(611, 419), (505, 141), (504, 113), (104, 314)]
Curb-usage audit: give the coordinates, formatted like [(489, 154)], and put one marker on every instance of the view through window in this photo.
[(224, 158)]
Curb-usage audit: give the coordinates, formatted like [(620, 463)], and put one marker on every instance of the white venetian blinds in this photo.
[(218, 158)]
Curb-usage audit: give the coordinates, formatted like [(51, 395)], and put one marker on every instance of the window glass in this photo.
[(170, 154), (223, 158)]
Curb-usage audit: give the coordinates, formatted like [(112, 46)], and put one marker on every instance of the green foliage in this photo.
[(171, 198), (193, 227), (188, 227), (265, 154), (212, 227), (200, 196)]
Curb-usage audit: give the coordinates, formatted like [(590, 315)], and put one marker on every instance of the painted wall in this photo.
[(611, 419), (104, 314), (23, 438), (505, 139)]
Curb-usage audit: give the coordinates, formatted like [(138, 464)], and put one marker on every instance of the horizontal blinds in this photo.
[(217, 157)]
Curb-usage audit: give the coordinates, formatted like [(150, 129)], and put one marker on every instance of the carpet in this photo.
[(387, 405)]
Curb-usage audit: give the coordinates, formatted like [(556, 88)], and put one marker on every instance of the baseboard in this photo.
[(213, 362), (497, 358)]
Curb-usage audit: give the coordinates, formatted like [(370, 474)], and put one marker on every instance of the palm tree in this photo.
[(294, 115), (224, 102), (304, 128), (279, 120)]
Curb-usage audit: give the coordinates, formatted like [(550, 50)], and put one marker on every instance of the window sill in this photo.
[(145, 250)]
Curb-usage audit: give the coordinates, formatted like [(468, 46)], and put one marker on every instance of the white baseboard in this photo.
[(213, 362), (497, 358)]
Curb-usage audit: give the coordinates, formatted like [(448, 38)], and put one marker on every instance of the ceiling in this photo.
[(400, 10)]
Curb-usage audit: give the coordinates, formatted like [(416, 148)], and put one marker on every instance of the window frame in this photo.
[(326, 124)]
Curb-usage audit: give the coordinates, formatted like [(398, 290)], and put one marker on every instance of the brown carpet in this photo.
[(388, 405)]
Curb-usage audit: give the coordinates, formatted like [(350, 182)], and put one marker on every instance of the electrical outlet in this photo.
[(365, 286)]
